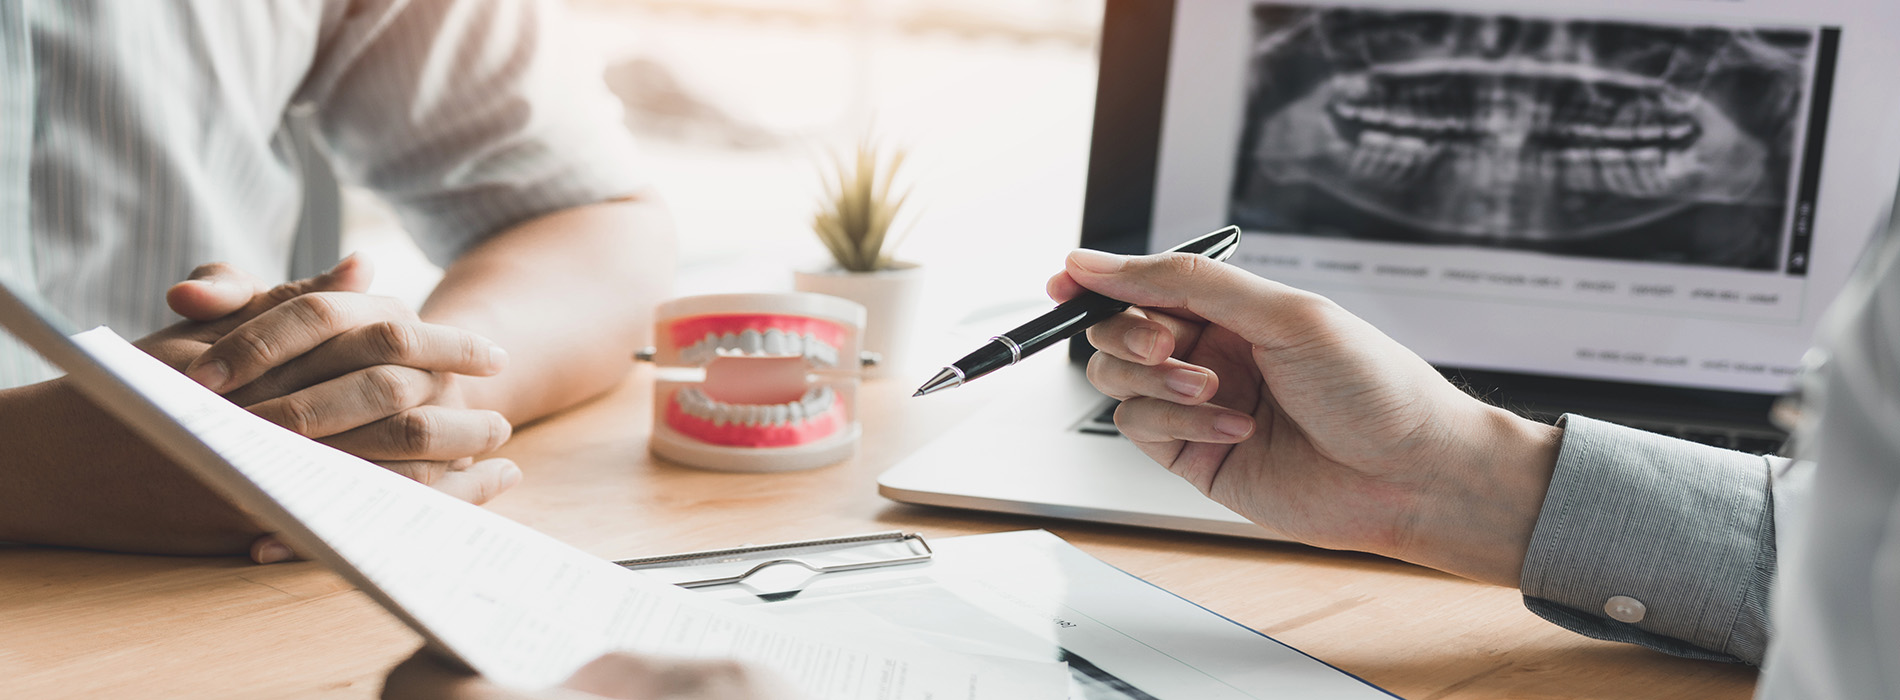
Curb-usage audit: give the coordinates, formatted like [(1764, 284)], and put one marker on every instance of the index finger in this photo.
[(1265, 313), (284, 332)]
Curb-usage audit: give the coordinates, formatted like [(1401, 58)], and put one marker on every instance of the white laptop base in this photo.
[(1021, 454)]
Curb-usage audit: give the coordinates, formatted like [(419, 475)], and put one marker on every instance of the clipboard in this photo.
[(719, 567), (1011, 597)]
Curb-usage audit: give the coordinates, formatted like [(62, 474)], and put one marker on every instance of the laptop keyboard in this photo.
[(1101, 421)]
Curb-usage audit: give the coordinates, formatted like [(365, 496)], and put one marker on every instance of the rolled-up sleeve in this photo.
[(1656, 541), (467, 116)]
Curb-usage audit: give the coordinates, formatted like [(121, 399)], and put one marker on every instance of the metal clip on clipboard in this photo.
[(718, 567)]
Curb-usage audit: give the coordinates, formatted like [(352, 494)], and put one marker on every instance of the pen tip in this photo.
[(946, 379)]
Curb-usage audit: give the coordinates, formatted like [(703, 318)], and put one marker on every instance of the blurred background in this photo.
[(736, 105)]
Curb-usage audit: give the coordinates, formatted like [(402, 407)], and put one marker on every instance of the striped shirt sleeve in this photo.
[(1656, 541), (467, 116)]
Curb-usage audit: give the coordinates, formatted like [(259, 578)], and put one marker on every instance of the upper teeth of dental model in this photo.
[(771, 342)]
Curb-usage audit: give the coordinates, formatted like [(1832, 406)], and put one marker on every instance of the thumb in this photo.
[(221, 291), (218, 290), (1262, 312), (213, 291)]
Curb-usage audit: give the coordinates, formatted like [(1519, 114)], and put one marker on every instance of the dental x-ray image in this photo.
[(1604, 139)]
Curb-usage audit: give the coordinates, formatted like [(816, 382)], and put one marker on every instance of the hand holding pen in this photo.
[(1067, 319)]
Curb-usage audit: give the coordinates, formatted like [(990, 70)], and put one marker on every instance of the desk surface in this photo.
[(83, 624)]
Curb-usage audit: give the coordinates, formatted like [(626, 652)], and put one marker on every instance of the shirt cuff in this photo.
[(1654, 541)]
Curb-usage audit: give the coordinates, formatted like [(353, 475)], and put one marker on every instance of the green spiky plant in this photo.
[(861, 204)]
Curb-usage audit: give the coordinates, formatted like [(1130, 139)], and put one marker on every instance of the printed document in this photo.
[(521, 608)]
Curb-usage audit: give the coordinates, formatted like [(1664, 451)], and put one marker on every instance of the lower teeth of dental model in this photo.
[(813, 404)]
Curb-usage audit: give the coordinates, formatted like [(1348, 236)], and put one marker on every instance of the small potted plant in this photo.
[(858, 223)]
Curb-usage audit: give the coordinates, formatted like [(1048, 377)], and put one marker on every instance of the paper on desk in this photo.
[(520, 607), (1030, 595)]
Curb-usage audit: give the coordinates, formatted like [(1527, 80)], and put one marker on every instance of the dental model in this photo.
[(756, 382)]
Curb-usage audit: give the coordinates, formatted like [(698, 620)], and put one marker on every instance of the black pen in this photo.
[(1068, 318)]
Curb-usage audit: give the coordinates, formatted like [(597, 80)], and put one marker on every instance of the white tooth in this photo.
[(1678, 132), (781, 413), (1365, 158), (1647, 164), (754, 415), (1615, 167), (1676, 165), (818, 400), (727, 343), (1579, 170), (751, 342), (819, 353), (1650, 133), (774, 342), (1408, 151), (795, 412)]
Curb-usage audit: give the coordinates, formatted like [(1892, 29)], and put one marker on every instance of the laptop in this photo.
[(1610, 208)]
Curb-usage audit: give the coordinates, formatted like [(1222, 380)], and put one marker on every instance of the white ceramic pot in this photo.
[(892, 298)]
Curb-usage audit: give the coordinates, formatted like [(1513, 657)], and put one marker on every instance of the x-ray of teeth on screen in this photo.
[(1606, 139)]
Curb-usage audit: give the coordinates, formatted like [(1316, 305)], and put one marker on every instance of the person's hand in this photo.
[(362, 374), (1307, 420), (218, 297), (618, 675), (357, 372)]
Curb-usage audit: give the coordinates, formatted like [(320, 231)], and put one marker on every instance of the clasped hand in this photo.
[(357, 372)]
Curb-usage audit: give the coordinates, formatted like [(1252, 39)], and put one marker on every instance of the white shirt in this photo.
[(139, 139)]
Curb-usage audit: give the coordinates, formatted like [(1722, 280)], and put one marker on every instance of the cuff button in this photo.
[(1622, 608)]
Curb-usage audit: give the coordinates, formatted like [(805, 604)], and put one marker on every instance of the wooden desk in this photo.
[(83, 624)]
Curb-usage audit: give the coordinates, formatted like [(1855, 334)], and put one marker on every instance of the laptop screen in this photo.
[(1652, 193)]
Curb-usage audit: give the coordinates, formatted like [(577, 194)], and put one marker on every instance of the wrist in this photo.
[(1477, 517)]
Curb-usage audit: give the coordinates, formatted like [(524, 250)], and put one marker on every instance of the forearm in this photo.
[(1478, 522), (76, 477), (569, 295)]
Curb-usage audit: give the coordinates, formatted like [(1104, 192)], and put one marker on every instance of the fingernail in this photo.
[(497, 358), (510, 477), (1142, 341), (273, 552), (1233, 425), (1187, 382), (1097, 261), (211, 374)]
